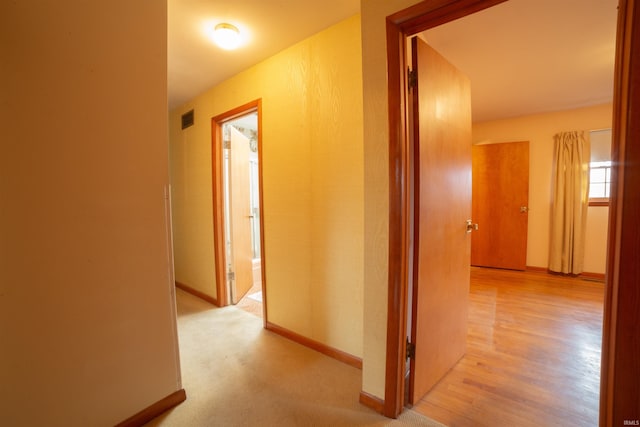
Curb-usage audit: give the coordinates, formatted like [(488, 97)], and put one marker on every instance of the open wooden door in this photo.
[(442, 153), (240, 215), (500, 205)]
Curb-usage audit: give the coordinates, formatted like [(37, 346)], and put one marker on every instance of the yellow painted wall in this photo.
[(539, 130), (87, 307), (312, 168)]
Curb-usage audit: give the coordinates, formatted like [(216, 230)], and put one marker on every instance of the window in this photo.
[(599, 180), (600, 168)]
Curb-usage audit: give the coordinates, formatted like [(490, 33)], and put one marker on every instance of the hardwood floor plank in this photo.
[(533, 354)]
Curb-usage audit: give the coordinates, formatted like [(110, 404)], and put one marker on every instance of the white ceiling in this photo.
[(522, 56), (532, 56)]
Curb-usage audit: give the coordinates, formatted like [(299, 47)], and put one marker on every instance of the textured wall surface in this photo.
[(312, 168)]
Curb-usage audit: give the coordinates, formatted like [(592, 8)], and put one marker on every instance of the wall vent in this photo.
[(187, 119)]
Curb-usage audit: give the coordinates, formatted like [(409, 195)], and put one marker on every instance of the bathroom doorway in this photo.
[(238, 209)]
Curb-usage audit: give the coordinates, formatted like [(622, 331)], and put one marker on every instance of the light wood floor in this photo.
[(533, 354)]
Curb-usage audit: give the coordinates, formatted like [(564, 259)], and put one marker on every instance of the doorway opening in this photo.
[(238, 219), (400, 26)]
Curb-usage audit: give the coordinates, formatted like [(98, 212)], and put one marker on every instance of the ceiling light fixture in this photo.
[(226, 36)]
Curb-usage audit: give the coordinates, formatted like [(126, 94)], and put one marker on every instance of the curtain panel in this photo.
[(570, 202)]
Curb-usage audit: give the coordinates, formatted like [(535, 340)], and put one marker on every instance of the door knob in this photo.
[(524, 209), (471, 226)]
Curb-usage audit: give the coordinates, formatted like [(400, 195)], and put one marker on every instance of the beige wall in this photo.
[(312, 152), (87, 311), (539, 130)]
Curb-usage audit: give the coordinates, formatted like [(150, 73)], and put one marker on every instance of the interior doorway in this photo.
[(238, 223), (399, 26)]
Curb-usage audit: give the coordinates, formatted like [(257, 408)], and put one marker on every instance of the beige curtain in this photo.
[(570, 202)]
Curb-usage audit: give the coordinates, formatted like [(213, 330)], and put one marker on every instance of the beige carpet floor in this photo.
[(236, 373)]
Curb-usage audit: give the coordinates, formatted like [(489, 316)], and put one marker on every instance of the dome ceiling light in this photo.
[(226, 36)]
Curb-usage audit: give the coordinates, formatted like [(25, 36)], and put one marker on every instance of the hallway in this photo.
[(236, 373)]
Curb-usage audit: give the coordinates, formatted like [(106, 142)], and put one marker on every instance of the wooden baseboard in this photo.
[(347, 358), (155, 410), (370, 401), (598, 276), (197, 293), (584, 274)]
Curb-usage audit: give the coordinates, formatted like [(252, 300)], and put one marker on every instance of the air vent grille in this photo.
[(187, 119)]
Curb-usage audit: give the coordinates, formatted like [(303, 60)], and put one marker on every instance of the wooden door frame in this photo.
[(620, 392), (620, 366), (219, 236)]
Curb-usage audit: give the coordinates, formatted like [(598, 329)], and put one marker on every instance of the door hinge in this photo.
[(226, 145), (410, 350), (412, 79), (231, 276)]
